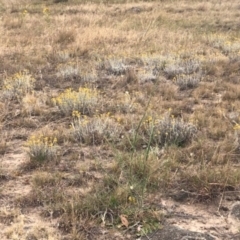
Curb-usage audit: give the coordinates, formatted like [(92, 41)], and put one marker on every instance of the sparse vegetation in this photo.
[(131, 101)]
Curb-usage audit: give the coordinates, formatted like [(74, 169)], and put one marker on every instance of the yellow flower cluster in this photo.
[(236, 127), (76, 114), (42, 141), (45, 11), (83, 101), (25, 13), (41, 147), (150, 121)]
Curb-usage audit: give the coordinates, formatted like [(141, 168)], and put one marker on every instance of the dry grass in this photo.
[(119, 99)]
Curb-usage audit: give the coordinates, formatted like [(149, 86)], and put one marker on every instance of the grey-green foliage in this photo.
[(68, 71), (187, 81), (181, 66), (170, 130), (96, 130)]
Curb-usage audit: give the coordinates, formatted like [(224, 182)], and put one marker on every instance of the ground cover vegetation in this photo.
[(106, 105)]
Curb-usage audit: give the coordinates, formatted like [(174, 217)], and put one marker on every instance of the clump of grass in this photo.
[(126, 103), (32, 104), (44, 179), (41, 148), (207, 182), (16, 86), (66, 37), (95, 130), (232, 92), (187, 81), (84, 100), (141, 170), (50, 195), (168, 91)]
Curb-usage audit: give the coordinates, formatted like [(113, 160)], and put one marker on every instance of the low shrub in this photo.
[(180, 66), (84, 100), (68, 71), (187, 81), (16, 86), (168, 130), (174, 131), (95, 130)]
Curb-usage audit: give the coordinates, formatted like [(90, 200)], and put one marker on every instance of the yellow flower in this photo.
[(132, 199), (45, 11), (25, 12), (236, 127)]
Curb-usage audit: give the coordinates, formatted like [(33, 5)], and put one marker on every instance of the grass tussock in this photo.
[(41, 148)]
